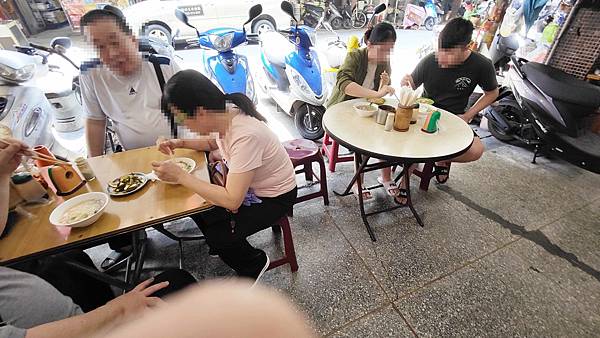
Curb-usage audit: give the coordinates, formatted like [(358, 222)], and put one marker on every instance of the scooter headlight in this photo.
[(299, 81), (222, 43), (22, 74)]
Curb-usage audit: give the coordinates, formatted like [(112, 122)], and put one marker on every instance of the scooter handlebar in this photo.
[(40, 47)]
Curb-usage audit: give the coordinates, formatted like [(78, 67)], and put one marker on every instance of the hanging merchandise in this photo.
[(531, 11)]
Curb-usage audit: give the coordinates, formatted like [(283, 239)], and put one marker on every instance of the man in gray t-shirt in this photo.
[(27, 301)]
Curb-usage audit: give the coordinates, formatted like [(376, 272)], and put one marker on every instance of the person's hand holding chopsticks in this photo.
[(384, 79), (385, 90), (168, 146), (11, 154)]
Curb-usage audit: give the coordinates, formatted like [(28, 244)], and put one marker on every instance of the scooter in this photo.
[(426, 14), (313, 13), (292, 75), (502, 49), (40, 102), (549, 109), (225, 68)]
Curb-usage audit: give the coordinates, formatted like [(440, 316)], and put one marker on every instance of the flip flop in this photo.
[(115, 259), (402, 193), (441, 170), (389, 186), (365, 193)]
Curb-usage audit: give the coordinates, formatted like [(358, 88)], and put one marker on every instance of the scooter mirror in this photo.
[(255, 11), (379, 8), (60, 43), (288, 9), (181, 16)]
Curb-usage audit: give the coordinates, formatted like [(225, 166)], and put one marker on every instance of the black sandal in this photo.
[(441, 170), (402, 193)]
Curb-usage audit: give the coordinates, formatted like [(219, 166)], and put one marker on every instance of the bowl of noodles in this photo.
[(80, 211), (185, 163)]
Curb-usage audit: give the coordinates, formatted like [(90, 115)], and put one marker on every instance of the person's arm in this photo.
[(229, 197), (95, 124), (346, 79), (489, 84), (9, 161), (101, 320), (485, 100), (203, 144), (95, 135)]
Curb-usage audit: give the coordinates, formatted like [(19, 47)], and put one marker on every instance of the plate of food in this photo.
[(376, 100), (185, 163), (80, 211), (127, 184), (364, 109)]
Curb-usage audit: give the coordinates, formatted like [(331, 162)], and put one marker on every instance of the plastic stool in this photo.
[(304, 153), (331, 149), (283, 225)]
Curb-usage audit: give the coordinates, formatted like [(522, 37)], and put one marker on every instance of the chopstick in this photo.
[(37, 156)]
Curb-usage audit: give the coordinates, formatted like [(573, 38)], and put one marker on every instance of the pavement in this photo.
[(509, 249)]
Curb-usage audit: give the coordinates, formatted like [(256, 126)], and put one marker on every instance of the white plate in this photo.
[(61, 209), (187, 160)]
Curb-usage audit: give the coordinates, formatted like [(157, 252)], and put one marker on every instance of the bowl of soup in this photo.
[(365, 109), (80, 211)]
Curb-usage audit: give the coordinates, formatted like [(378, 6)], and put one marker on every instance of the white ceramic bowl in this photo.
[(365, 112), (187, 160), (68, 204)]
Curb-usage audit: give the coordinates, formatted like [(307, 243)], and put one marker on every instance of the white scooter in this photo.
[(291, 75), (39, 99)]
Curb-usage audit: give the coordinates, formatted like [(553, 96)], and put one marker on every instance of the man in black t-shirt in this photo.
[(449, 77)]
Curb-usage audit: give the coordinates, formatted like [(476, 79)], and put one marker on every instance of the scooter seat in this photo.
[(562, 86), (275, 47)]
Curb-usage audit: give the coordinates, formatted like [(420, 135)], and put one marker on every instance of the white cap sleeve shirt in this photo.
[(132, 102), (251, 145)]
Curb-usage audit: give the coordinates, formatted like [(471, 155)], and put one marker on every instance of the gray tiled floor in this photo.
[(509, 249)]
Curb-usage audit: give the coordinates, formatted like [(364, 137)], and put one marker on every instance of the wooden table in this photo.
[(369, 140), (155, 204)]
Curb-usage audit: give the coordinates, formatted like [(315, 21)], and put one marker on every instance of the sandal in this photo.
[(402, 193), (439, 171), (366, 194), (114, 260), (390, 187)]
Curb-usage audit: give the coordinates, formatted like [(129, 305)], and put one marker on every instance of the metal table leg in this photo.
[(406, 172), (99, 275)]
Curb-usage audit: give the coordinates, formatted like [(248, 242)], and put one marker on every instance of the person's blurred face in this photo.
[(380, 52), (204, 122), (451, 57), (116, 49)]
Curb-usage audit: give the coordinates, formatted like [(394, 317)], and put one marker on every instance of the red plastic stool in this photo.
[(283, 225), (304, 153), (331, 150), (426, 175)]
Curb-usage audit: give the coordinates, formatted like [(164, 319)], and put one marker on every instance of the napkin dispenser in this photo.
[(431, 123), (62, 179)]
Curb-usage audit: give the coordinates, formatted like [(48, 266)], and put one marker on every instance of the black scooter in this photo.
[(549, 109)]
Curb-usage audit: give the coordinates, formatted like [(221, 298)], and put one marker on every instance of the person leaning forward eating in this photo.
[(261, 185)]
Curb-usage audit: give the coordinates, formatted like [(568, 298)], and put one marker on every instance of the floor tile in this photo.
[(383, 323)]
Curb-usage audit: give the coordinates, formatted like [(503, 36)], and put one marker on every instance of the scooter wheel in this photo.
[(336, 23), (347, 24), (429, 23), (309, 121)]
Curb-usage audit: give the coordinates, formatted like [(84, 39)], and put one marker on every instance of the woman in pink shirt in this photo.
[(261, 184)]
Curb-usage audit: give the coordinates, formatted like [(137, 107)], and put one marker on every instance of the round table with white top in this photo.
[(368, 139)]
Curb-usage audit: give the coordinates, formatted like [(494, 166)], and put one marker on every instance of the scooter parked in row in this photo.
[(313, 13), (292, 75), (40, 102), (549, 109), (228, 70)]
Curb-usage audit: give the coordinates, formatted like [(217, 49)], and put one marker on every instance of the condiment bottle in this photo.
[(389, 122), (28, 188), (381, 116), (85, 169)]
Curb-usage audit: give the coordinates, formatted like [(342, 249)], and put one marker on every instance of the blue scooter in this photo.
[(226, 69), (292, 75)]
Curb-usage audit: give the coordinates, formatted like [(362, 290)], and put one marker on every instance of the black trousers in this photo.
[(226, 232)]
